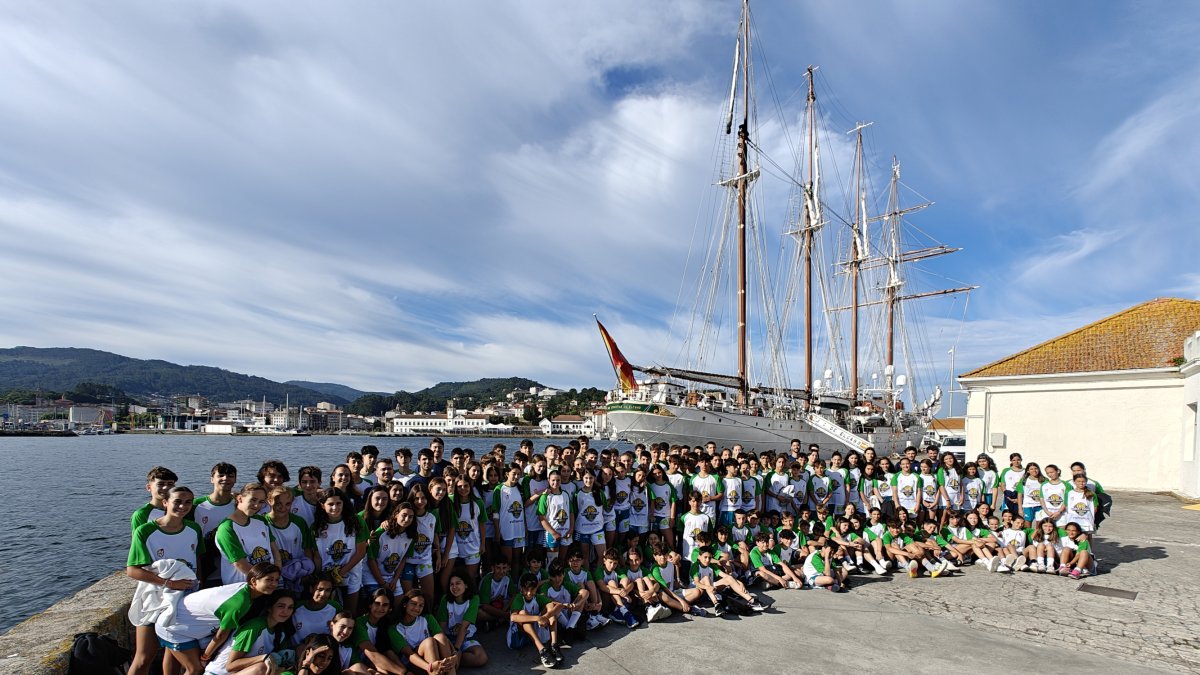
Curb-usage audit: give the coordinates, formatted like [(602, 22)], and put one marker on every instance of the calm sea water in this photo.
[(66, 502)]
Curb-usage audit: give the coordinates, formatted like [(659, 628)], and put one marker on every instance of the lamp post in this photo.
[(950, 391)]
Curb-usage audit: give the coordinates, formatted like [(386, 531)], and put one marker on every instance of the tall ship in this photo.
[(847, 268)]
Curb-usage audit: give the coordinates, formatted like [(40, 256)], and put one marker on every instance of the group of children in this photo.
[(388, 568)]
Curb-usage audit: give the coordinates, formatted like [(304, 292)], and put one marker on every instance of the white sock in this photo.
[(928, 565)]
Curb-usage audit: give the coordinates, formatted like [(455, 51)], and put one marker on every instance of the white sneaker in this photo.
[(657, 612), (879, 569), (1019, 563), (950, 565), (1010, 560), (1003, 568), (793, 585)]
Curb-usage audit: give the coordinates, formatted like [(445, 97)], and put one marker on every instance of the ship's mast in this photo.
[(893, 263), (808, 234), (858, 252), (742, 188)]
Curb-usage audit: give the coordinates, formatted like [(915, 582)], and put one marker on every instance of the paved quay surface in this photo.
[(987, 623)]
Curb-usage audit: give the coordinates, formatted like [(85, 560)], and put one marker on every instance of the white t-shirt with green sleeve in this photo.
[(200, 614), (254, 638), (251, 541), (151, 543)]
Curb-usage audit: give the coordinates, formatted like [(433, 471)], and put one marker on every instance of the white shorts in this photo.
[(353, 581)]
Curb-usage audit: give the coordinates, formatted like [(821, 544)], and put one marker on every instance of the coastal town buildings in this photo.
[(1119, 395), (573, 425)]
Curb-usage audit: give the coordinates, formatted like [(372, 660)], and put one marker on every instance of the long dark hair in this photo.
[(445, 508), (285, 631), (349, 517), (316, 641), (391, 527), (374, 519)]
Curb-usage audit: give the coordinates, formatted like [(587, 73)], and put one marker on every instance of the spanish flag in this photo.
[(621, 367)]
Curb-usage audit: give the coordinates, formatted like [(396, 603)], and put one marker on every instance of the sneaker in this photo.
[(913, 570), (851, 567), (994, 563), (1063, 570), (1019, 563), (1010, 560), (793, 585), (547, 657), (950, 565), (1039, 568), (1003, 568), (756, 606), (593, 622), (937, 570), (719, 608), (556, 652), (657, 611), (632, 621), (603, 620), (1075, 573), (699, 611), (879, 569)]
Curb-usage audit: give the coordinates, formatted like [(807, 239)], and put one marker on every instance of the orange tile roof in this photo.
[(949, 424), (1149, 335)]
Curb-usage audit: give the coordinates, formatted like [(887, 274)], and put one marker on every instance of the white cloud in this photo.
[(408, 193)]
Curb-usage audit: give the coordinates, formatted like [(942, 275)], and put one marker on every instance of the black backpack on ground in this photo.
[(736, 604), (96, 654)]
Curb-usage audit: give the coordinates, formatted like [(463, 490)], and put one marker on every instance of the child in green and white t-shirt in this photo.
[(255, 639), (707, 579)]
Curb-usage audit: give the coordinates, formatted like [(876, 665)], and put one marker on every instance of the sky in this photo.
[(387, 195)]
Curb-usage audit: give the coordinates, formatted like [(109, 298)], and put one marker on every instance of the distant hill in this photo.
[(332, 389), (433, 399), (61, 369)]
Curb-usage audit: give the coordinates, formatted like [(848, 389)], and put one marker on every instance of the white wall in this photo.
[(1190, 423), (1126, 426)]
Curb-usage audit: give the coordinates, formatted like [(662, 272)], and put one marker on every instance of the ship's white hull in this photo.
[(685, 425)]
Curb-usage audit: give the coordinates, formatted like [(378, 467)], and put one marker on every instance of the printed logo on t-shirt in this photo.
[(638, 503), (259, 555), (1055, 500), (560, 517), (1080, 509), (590, 512), (338, 550), (514, 509), (391, 562)]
